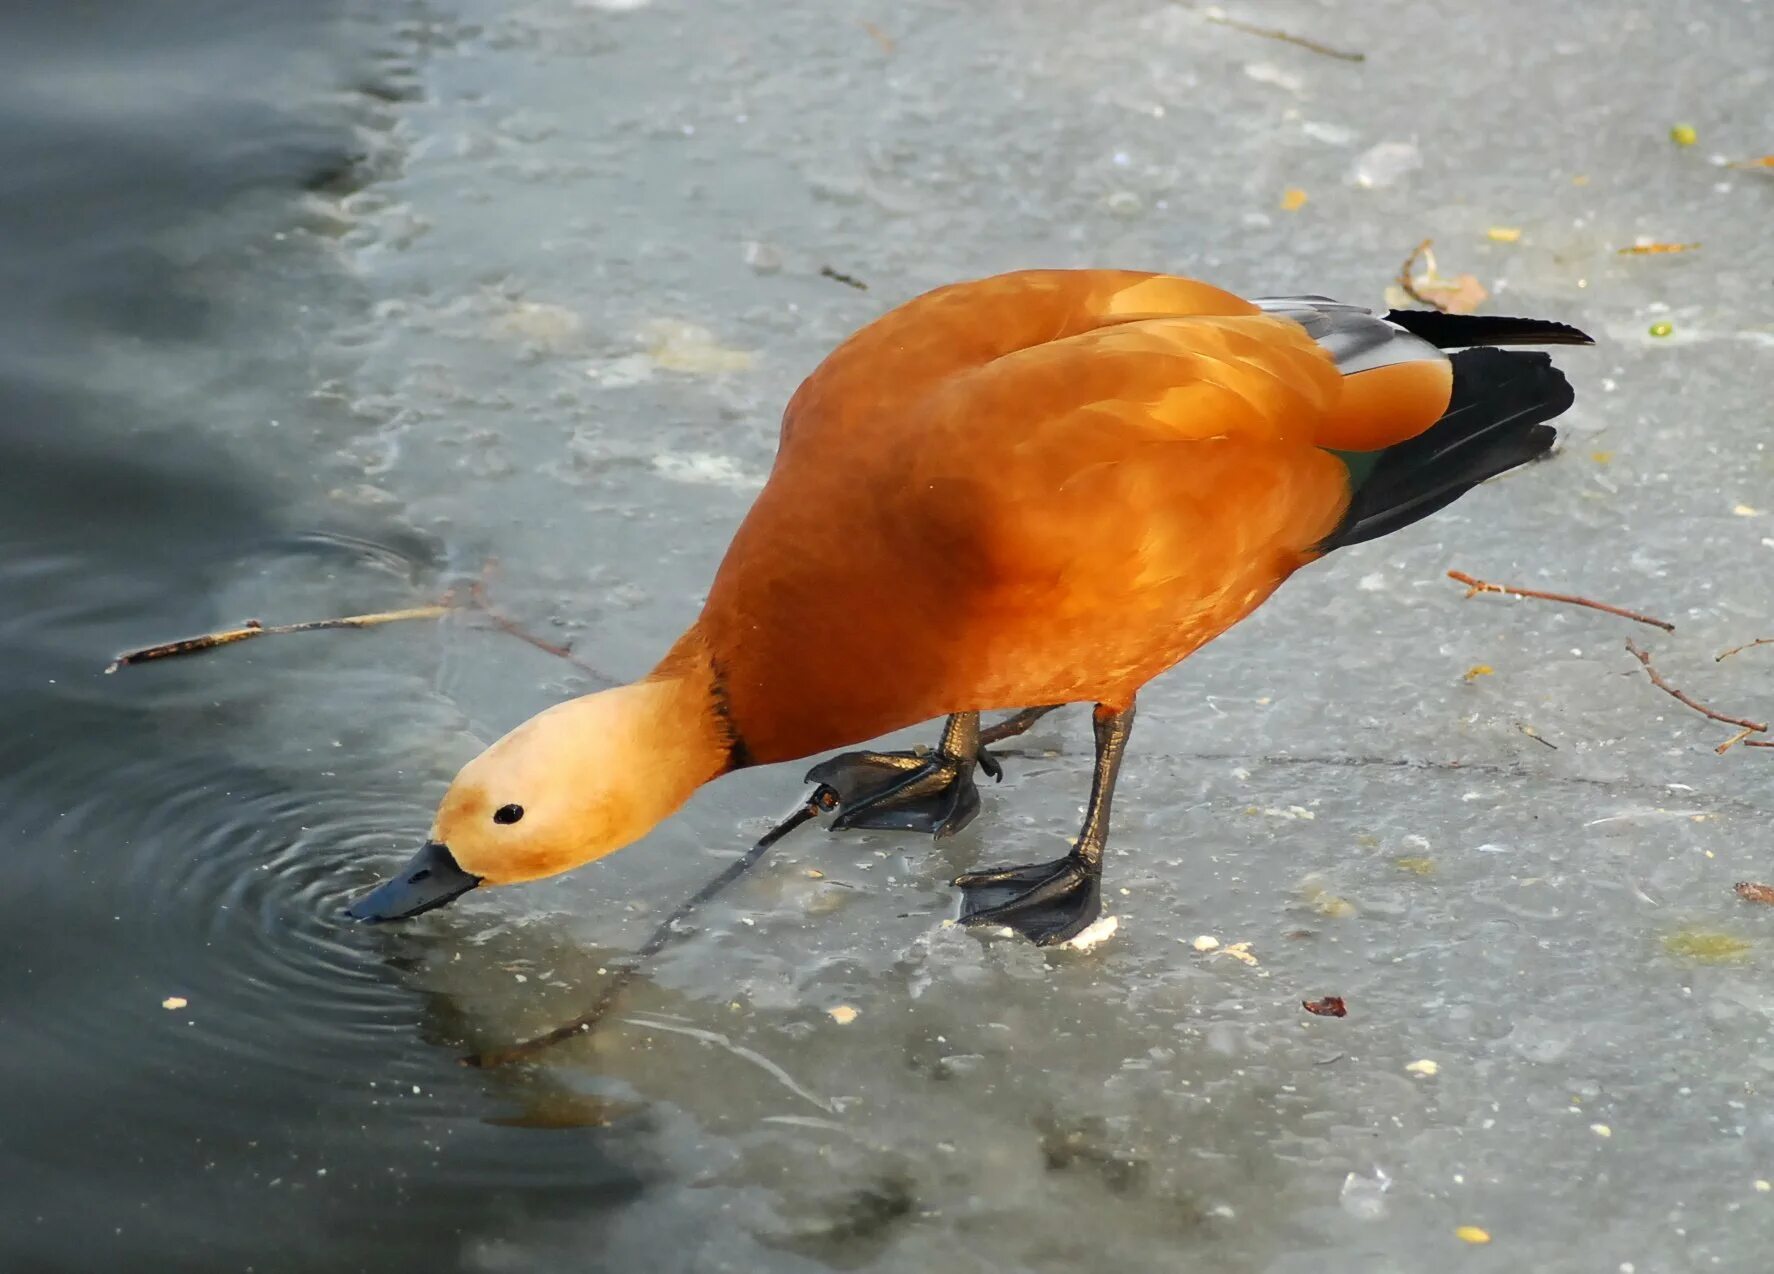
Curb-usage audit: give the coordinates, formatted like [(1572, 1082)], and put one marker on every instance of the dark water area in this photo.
[(302, 1108)]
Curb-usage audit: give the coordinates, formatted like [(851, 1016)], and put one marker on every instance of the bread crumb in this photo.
[(1206, 942), (842, 1014), (1098, 932), (1424, 1066), (1472, 1234), (174, 1002)]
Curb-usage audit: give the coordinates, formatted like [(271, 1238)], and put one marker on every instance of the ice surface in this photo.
[(596, 265)]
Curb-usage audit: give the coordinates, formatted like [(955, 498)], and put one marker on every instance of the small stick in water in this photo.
[(822, 801), (477, 603), (253, 628), (477, 595)]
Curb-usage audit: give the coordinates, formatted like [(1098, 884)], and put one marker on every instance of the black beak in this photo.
[(430, 880)]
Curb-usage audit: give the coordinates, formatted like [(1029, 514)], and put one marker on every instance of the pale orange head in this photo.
[(568, 786)]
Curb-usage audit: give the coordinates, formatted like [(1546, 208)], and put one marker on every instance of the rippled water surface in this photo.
[(321, 308), (206, 1069)]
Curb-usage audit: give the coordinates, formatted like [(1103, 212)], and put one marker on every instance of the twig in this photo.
[(1759, 641), (1476, 586), (1406, 280), (1275, 33), (477, 602), (253, 628), (848, 280), (477, 595), (822, 800), (1746, 726)]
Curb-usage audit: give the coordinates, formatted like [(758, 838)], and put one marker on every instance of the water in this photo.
[(330, 306), (174, 839)]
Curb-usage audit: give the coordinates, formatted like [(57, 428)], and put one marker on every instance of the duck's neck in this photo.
[(682, 711)]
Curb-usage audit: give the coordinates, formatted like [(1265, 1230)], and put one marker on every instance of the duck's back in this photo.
[(1036, 488)]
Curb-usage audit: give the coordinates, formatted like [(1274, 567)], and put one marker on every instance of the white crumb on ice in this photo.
[(1097, 933)]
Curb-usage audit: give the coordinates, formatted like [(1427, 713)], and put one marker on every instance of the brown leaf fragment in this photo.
[(1333, 1006), (1426, 286), (1754, 891)]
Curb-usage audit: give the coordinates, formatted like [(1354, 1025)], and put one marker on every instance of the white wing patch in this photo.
[(1357, 340)]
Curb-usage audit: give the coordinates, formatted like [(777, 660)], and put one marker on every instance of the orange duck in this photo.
[(1041, 488)]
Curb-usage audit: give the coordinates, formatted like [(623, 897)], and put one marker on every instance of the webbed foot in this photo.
[(1047, 903), (904, 791)]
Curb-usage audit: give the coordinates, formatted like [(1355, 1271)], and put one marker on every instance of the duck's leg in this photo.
[(1011, 726), (1053, 902), (920, 791)]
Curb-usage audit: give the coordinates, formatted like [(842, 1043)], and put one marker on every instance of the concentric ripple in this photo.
[(239, 884)]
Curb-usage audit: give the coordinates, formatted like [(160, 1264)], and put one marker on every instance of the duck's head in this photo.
[(569, 785)]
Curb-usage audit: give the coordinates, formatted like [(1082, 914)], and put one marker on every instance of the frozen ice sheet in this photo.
[(1326, 784)]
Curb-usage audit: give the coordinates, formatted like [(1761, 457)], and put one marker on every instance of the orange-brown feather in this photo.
[(1039, 488), (1386, 405)]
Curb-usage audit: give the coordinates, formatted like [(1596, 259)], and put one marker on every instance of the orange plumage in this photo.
[(1037, 488), (1029, 490)]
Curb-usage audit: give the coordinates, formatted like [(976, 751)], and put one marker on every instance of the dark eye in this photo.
[(508, 813)]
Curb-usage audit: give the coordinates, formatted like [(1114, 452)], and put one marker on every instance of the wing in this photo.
[(1008, 334), (907, 352), (1077, 434), (1172, 429), (1051, 485)]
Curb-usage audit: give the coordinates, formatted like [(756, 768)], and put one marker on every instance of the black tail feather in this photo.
[(1493, 423), (1454, 331)]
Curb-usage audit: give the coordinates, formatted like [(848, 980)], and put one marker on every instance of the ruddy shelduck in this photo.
[(1041, 488)]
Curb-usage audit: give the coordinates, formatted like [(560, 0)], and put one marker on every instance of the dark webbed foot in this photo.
[(920, 791), (903, 791), (1054, 902), (1047, 903)]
